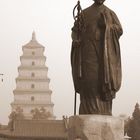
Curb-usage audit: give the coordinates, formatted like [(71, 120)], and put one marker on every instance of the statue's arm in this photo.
[(116, 25), (111, 20)]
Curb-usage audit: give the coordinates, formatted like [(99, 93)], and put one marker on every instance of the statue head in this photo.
[(99, 2)]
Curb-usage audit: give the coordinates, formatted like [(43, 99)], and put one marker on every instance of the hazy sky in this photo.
[(52, 21)]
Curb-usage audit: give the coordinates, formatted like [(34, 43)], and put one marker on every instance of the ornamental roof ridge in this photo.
[(33, 43)]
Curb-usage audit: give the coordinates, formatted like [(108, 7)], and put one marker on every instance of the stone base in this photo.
[(95, 127)]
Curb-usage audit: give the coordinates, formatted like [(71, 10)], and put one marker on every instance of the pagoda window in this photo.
[(33, 74), (32, 86), (32, 98), (33, 63), (33, 53)]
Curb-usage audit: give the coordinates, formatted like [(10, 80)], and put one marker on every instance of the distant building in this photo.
[(36, 130), (32, 93)]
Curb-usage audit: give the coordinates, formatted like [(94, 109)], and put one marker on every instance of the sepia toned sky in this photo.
[(52, 21)]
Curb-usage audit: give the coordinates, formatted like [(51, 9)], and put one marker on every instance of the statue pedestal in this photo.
[(95, 127)]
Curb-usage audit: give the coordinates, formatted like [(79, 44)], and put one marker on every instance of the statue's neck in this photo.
[(98, 5)]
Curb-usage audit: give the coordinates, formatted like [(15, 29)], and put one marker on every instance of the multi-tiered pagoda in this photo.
[(32, 91)]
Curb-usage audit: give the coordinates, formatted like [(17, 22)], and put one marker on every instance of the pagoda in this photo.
[(32, 93)]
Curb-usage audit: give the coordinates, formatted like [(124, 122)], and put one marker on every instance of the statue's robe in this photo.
[(96, 63)]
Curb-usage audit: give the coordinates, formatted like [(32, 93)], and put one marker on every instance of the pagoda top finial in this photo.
[(33, 36), (33, 43)]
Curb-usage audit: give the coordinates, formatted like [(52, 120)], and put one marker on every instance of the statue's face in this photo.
[(99, 1)]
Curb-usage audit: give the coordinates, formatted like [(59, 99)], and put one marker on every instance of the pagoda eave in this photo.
[(32, 103), (30, 92), (32, 79), (34, 57), (32, 68)]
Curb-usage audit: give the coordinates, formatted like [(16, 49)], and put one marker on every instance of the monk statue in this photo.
[(95, 58)]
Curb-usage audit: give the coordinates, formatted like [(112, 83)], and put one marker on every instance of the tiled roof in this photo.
[(37, 129)]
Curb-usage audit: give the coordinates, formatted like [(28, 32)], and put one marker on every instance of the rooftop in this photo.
[(33, 43), (36, 129)]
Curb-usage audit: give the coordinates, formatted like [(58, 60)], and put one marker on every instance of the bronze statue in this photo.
[(95, 58)]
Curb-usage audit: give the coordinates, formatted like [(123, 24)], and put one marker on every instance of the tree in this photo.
[(15, 115), (132, 125), (136, 113), (40, 114)]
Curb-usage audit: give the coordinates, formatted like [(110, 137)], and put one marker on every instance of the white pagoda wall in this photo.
[(39, 73), (40, 98), (27, 85), (29, 52), (37, 62)]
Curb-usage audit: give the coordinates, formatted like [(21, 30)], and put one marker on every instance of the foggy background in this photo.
[(52, 21)]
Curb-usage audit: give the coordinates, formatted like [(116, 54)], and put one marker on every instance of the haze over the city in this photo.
[(52, 22)]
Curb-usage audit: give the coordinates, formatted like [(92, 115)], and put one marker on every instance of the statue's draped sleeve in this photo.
[(76, 57), (112, 74)]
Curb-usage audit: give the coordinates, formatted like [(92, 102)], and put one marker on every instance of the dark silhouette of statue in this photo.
[(95, 58)]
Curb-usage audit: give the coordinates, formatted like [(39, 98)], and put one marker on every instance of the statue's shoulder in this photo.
[(93, 7), (109, 10), (88, 9)]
